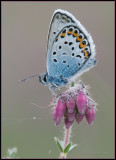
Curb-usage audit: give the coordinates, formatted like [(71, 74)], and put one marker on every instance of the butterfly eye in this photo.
[(44, 78)]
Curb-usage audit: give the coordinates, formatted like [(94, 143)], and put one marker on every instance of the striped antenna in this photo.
[(28, 78)]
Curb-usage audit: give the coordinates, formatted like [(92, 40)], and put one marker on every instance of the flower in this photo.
[(90, 115), (79, 117), (70, 105), (81, 101), (74, 104), (59, 112)]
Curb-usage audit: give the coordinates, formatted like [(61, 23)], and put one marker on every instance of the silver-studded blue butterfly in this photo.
[(70, 50)]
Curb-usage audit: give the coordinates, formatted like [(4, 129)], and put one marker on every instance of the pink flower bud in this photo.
[(71, 116), (60, 109), (68, 123), (59, 112), (79, 117), (70, 105), (90, 115), (81, 101), (57, 121)]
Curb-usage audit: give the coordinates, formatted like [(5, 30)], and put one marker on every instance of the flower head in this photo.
[(74, 104)]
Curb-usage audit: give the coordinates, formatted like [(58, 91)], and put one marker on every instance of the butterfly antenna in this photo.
[(35, 75)]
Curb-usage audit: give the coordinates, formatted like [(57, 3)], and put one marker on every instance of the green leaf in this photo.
[(58, 143), (59, 146), (72, 147), (67, 148)]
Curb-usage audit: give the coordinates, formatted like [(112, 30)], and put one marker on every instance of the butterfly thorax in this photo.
[(52, 81)]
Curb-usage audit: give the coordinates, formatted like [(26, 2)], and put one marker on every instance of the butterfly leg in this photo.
[(53, 88), (64, 80)]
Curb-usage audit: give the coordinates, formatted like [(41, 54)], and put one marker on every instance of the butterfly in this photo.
[(70, 51)]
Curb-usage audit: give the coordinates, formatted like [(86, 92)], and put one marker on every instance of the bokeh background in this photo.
[(24, 42)]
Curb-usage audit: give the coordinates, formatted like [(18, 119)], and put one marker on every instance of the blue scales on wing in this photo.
[(70, 48)]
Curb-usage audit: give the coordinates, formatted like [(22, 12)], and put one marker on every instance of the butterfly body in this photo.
[(70, 50), (53, 81)]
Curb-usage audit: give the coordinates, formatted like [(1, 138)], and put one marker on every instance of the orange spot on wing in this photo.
[(62, 34), (69, 32), (81, 45), (85, 53), (84, 50), (79, 39), (74, 34)]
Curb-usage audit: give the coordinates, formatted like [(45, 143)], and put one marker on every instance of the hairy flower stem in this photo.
[(67, 134), (66, 140)]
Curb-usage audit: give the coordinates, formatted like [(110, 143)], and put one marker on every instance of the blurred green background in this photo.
[(24, 43)]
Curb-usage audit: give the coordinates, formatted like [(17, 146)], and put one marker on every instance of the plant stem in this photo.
[(66, 140), (67, 136), (67, 133), (72, 84)]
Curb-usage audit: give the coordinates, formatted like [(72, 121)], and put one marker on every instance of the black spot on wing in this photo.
[(55, 60), (54, 53), (70, 43), (78, 56), (73, 54), (65, 42)]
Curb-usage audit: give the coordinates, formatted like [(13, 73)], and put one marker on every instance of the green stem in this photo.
[(72, 84)]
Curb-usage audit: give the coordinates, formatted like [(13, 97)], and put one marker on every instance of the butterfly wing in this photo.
[(70, 47)]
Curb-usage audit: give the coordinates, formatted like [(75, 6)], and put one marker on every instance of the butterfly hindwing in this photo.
[(70, 46)]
